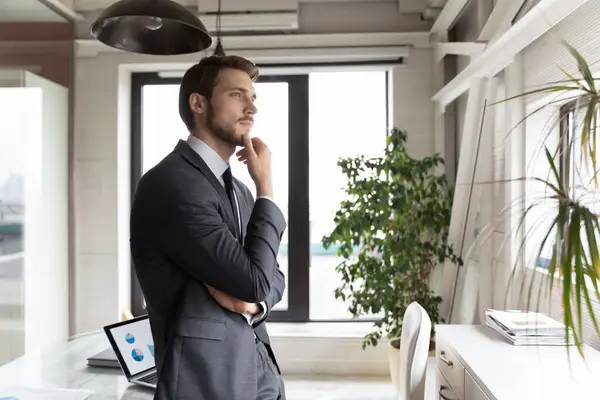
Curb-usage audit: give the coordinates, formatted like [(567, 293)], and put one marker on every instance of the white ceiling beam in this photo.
[(206, 6), (92, 47), (294, 57), (93, 5), (280, 21), (411, 6), (64, 9), (498, 55), (436, 3), (471, 49), (448, 16), (500, 19)]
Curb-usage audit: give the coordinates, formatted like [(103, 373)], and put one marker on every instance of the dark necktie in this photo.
[(228, 180)]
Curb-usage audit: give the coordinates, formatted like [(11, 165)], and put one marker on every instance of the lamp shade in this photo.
[(219, 51), (160, 27)]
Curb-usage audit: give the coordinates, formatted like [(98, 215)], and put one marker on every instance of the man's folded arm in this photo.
[(195, 237), (275, 296)]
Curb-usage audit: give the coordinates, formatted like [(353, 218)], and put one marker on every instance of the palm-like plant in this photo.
[(573, 229)]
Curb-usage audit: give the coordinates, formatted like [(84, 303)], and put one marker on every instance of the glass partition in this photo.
[(35, 76)]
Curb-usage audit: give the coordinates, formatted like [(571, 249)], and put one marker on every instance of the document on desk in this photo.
[(30, 393)]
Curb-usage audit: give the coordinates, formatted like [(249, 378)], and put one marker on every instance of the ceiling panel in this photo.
[(26, 11)]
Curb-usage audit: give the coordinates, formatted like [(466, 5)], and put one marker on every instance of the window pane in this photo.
[(14, 106), (271, 125), (347, 118), (583, 186), (162, 127)]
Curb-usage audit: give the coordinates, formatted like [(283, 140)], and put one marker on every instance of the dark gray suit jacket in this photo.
[(182, 236)]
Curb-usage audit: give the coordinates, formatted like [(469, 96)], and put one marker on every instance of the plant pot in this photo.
[(394, 359)]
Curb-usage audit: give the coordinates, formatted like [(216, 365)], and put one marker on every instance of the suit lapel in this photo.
[(193, 158)]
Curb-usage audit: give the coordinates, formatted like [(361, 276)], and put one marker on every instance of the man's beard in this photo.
[(225, 133)]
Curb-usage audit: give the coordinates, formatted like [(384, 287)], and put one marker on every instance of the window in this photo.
[(16, 110), (578, 181), (348, 116)]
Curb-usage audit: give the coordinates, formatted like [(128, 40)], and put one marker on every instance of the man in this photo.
[(205, 252)]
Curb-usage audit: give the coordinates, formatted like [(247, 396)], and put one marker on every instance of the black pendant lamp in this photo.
[(219, 50), (159, 27)]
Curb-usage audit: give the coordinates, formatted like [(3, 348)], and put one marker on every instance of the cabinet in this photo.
[(476, 363), (454, 382)]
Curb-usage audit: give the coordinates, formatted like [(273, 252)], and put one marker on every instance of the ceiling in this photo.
[(27, 11), (407, 5)]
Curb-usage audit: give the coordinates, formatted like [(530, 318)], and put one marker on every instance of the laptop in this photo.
[(132, 343), (106, 358)]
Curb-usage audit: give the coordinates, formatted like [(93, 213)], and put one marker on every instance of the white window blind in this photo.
[(543, 57)]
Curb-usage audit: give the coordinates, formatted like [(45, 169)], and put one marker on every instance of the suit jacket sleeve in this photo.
[(195, 236), (275, 296), (278, 286)]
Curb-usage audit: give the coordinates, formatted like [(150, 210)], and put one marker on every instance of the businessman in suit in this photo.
[(205, 252)]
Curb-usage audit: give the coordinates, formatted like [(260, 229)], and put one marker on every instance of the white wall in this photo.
[(102, 170), (98, 300), (542, 62), (412, 108), (482, 281), (47, 264), (538, 64)]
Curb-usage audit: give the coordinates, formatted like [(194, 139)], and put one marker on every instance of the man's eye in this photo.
[(236, 94)]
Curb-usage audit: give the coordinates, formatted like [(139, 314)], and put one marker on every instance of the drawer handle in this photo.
[(445, 360), (442, 395)]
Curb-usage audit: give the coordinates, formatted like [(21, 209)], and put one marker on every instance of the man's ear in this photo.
[(198, 103)]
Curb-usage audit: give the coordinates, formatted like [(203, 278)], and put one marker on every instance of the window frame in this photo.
[(299, 249), (564, 132)]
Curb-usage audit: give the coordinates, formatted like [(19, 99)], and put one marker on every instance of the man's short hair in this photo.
[(202, 78)]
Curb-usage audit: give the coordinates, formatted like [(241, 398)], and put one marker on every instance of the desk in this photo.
[(65, 367), (476, 363)]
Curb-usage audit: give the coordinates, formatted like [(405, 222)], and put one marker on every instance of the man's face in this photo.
[(231, 109)]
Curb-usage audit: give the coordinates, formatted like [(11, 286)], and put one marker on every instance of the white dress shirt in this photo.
[(218, 166)]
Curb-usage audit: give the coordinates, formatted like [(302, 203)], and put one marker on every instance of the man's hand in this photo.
[(233, 304), (257, 156)]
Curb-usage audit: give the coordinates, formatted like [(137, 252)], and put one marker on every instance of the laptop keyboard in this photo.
[(152, 379)]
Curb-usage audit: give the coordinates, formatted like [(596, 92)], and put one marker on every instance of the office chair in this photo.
[(414, 350)]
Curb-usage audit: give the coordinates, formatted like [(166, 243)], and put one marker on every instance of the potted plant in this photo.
[(392, 232), (573, 233)]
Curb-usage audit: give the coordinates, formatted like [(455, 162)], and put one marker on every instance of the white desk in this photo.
[(476, 363), (65, 367)]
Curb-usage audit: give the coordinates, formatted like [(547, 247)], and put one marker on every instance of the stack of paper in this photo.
[(527, 328)]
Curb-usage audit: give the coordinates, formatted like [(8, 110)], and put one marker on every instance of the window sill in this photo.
[(327, 348), (354, 330)]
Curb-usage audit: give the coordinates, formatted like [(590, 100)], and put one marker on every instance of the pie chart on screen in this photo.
[(151, 349), (129, 338), (137, 355)]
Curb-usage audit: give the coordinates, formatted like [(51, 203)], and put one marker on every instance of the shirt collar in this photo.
[(214, 161)]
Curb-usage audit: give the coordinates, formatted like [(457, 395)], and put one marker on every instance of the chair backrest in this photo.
[(414, 350)]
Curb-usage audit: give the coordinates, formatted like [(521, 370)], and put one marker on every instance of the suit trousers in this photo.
[(270, 385)]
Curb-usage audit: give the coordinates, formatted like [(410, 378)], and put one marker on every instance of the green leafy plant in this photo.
[(391, 231), (573, 231)]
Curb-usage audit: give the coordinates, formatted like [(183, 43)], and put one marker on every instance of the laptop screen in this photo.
[(134, 344)]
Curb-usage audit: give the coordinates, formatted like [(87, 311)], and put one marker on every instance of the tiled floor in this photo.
[(331, 388), (338, 389)]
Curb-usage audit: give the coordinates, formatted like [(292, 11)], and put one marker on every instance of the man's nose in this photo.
[(251, 109)]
